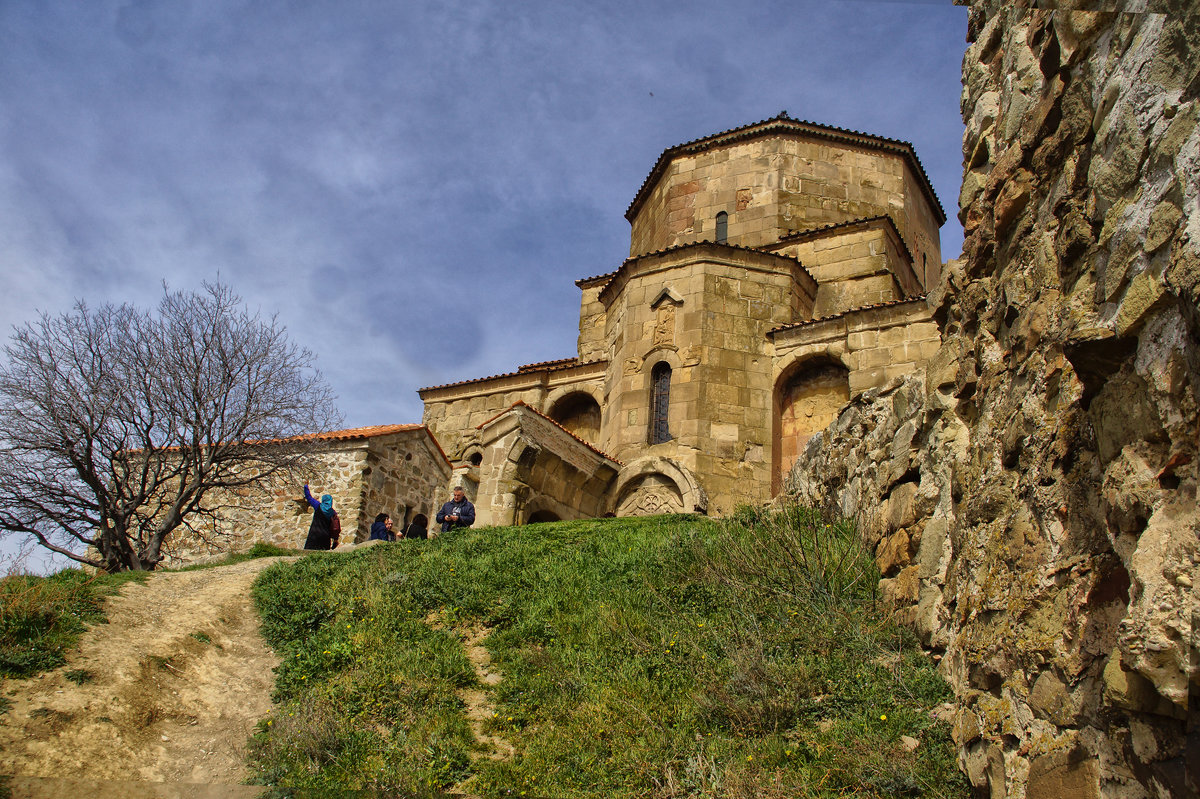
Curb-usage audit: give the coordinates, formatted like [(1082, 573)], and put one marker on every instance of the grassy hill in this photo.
[(663, 656)]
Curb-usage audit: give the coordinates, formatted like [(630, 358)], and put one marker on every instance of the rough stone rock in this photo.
[(893, 553), (1048, 454)]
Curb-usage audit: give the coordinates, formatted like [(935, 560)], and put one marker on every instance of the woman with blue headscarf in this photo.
[(326, 527)]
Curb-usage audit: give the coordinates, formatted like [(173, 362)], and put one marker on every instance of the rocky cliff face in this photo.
[(1032, 495)]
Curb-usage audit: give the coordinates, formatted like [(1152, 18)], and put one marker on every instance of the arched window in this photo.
[(722, 227), (660, 401)]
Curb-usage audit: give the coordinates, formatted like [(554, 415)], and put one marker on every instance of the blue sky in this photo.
[(412, 187)]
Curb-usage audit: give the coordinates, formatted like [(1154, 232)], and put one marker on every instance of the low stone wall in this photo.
[(402, 473), (274, 513), (405, 475)]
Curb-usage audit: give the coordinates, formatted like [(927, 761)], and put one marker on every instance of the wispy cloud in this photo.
[(412, 187)]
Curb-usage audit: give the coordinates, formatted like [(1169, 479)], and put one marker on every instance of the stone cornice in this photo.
[(526, 377), (732, 254)]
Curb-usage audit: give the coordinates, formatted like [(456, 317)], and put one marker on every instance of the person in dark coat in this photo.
[(418, 527), (458, 512), (381, 530), (325, 529)]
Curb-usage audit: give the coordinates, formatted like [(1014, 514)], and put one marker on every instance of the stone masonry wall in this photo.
[(876, 345), (275, 513), (715, 343), (856, 267), (772, 186), (532, 464), (453, 413), (1032, 495), (405, 475)]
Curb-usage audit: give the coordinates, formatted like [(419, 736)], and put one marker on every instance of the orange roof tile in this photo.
[(362, 432), (349, 434), (584, 281), (546, 366), (534, 367)]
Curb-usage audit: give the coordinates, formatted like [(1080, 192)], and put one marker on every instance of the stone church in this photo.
[(775, 271)]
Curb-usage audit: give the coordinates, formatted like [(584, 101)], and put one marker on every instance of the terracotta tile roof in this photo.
[(535, 367), (361, 432), (374, 431), (782, 123), (468, 382), (703, 242), (522, 403), (528, 369), (847, 312), (584, 281), (349, 434)]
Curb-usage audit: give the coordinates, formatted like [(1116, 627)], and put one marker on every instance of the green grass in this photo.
[(663, 657), (42, 617), (80, 676)]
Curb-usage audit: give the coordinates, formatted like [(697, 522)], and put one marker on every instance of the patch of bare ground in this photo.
[(169, 689)]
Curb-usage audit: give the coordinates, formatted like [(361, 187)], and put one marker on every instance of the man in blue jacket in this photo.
[(458, 512)]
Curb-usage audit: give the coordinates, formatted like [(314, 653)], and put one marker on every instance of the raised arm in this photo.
[(316, 505)]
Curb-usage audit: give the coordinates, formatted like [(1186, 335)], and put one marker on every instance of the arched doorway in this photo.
[(580, 414), (807, 400), (542, 516)]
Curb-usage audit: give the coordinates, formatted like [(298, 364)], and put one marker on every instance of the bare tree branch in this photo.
[(116, 423)]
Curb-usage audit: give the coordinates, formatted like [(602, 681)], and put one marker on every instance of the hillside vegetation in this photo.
[(663, 656)]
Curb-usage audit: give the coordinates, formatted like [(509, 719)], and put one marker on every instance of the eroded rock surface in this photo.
[(1032, 495)]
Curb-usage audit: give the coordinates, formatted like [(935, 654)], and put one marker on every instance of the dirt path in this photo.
[(478, 703), (179, 678)]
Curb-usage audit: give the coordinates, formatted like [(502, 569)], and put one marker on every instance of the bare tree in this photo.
[(115, 422)]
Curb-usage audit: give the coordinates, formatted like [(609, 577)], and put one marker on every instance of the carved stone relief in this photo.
[(653, 494), (664, 326)]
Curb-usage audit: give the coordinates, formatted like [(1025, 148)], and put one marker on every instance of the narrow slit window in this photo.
[(722, 227), (660, 400)]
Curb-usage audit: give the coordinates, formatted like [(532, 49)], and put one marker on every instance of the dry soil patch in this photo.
[(180, 677)]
